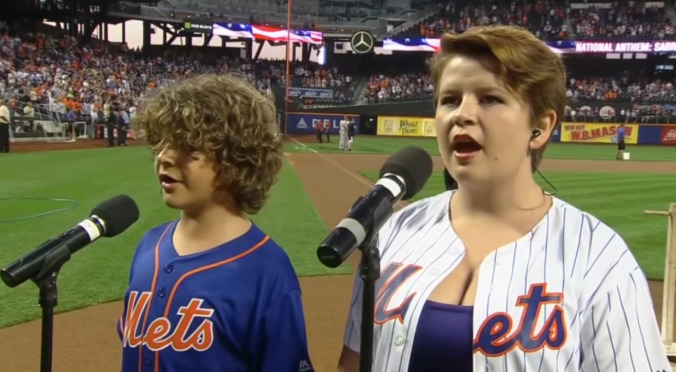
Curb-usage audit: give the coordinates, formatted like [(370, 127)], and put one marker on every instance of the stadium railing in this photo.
[(47, 124)]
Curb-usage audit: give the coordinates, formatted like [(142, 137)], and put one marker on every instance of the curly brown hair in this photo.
[(528, 68), (226, 119)]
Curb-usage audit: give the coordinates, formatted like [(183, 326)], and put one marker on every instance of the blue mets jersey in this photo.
[(233, 308)]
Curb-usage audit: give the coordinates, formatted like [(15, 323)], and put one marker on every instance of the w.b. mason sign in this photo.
[(362, 42)]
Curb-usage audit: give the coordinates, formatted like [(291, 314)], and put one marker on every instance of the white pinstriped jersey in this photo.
[(595, 311)]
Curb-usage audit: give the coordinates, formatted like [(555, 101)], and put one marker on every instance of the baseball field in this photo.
[(44, 192)]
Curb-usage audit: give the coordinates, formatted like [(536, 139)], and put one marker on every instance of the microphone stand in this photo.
[(369, 273), (46, 282)]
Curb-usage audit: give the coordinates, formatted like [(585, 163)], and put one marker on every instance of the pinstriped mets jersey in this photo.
[(234, 308), (568, 296)]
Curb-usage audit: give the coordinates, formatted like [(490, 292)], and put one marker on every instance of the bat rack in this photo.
[(669, 288)]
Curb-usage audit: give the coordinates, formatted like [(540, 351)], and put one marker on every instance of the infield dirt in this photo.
[(86, 340)]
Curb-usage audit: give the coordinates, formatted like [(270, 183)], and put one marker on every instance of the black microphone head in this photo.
[(118, 213), (413, 164)]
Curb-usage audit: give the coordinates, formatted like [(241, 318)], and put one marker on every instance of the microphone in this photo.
[(401, 177), (108, 219)]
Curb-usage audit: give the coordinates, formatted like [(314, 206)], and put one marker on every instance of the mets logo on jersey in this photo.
[(161, 333), (499, 333)]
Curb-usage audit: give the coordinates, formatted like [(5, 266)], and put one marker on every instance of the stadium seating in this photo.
[(56, 75), (544, 19), (383, 88), (590, 89), (621, 20), (552, 20)]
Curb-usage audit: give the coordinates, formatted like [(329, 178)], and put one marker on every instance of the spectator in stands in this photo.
[(114, 123), (28, 110), (70, 128), (123, 126), (29, 116)]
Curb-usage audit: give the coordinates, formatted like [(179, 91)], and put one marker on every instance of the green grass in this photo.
[(617, 199), (368, 145), (99, 273), (390, 145)]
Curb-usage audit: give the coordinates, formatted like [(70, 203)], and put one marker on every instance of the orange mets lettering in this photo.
[(159, 334), (391, 280), (494, 338)]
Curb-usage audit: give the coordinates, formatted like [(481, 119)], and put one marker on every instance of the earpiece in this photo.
[(535, 134)]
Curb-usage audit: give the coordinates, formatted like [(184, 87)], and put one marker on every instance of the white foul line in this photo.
[(352, 174)]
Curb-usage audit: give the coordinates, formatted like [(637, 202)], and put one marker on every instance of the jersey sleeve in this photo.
[(284, 342), (620, 332)]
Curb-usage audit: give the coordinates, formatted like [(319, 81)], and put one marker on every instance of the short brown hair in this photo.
[(527, 67), (228, 120)]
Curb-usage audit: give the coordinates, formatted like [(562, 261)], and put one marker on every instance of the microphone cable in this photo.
[(556, 191)]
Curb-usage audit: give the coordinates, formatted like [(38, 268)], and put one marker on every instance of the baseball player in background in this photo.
[(621, 146), (499, 275), (351, 129), (210, 291), (343, 133)]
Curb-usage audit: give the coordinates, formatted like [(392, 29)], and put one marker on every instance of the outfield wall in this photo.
[(305, 122), (409, 126), (641, 134)]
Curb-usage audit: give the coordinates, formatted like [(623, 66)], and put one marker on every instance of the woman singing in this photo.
[(498, 275)]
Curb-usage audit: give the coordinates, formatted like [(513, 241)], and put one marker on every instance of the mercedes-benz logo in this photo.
[(362, 42)]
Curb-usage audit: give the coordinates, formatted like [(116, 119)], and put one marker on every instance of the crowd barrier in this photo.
[(641, 134)]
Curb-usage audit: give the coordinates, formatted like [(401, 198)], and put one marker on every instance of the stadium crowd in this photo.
[(399, 87), (626, 88), (42, 74), (635, 113), (625, 20), (545, 19), (59, 76), (620, 89)]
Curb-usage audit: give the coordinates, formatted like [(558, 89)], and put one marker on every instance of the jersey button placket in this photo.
[(169, 268)]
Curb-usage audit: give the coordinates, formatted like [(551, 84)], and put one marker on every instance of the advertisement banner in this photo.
[(305, 123), (311, 93), (597, 133), (421, 44), (668, 136), (197, 27), (405, 126)]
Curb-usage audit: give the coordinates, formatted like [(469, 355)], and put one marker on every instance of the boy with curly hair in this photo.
[(210, 291)]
